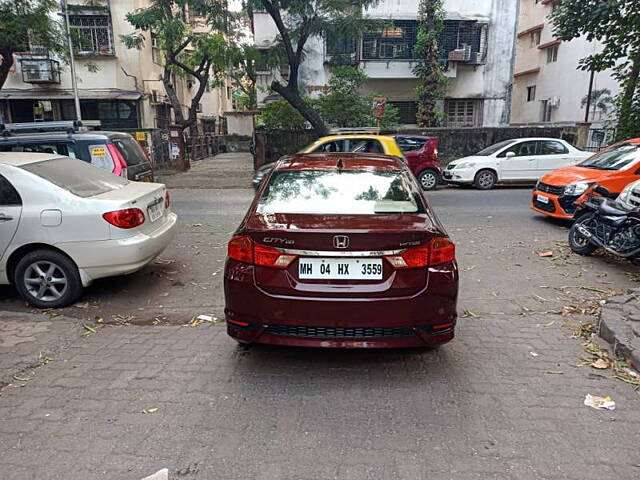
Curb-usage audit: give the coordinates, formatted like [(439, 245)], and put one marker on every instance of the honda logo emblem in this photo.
[(341, 241)]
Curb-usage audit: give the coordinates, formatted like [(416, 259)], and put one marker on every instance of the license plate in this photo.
[(542, 199), (155, 211), (340, 269)]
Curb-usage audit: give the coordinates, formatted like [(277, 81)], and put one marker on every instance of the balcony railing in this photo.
[(40, 70)]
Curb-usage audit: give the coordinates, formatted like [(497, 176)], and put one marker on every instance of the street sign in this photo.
[(379, 105)]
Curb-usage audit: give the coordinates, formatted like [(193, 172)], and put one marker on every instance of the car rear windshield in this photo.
[(615, 158), (345, 192), (79, 178), (410, 144), (494, 148), (130, 150)]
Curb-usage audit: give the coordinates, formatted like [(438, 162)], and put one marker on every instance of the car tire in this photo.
[(47, 279), (485, 180), (577, 242), (429, 179)]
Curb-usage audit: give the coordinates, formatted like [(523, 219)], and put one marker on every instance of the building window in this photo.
[(156, 53), (531, 93), (545, 111), (395, 41), (535, 38), (463, 112), (91, 34), (407, 112), (467, 36), (340, 48), (552, 53)]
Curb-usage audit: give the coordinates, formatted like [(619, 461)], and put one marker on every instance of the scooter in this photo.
[(607, 221)]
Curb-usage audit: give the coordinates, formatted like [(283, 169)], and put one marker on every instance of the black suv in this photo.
[(115, 152)]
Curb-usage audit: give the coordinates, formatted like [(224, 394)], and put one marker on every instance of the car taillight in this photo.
[(167, 200), (120, 167), (438, 251), (240, 249), (243, 249), (128, 218), (411, 258), (271, 257), (441, 250)]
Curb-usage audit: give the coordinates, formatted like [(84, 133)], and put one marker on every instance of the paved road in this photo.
[(503, 400)]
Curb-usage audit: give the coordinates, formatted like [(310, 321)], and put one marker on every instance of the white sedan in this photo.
[(65, 223), (520, 160)]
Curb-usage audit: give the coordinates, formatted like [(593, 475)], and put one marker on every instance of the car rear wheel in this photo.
[(485, 180), (47, 279), (429, 179)]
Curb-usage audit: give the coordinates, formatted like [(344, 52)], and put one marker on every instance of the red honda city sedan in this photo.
[(341, 250)]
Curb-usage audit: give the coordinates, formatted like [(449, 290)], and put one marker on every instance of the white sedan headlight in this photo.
[(577, 188), (465, 165)]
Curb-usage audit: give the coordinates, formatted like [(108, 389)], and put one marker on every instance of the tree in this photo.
[(344, 106), (280, 115), (198, 55), (25, 24), (296, 22), (431, 80), (616, 24), (601, 100)]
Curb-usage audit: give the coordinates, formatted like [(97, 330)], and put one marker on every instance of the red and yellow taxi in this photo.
[(557, 192)]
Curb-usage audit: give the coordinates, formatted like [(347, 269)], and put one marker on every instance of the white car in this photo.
[(65, 223), (520, 160)]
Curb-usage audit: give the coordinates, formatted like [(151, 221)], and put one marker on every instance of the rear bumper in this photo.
[(122, 256), (255, 316)]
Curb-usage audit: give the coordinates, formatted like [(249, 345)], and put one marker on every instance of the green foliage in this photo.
[(25, 24), (296, 22), (204, 56), (280, 115), (616, 24), (431, 80), (344, 106), (601, 100)]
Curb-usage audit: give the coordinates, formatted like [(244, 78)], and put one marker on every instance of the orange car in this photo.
[(557, 192)]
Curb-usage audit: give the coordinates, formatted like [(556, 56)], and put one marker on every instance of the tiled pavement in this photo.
[(481, 407)]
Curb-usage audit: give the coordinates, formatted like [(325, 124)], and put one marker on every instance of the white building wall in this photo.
[(561, 79), (394, 78)]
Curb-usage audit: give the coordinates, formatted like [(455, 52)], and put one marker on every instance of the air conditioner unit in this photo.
[(460, 54), (477, 58), (36, 72), (554, 102)]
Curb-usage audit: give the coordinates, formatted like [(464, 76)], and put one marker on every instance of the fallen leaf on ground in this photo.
[(546, 254), (21, 378), (534, 354), (88, 330), (554, 372), (44, 359), (196, 225), (469, 313), (600, 364), (81, 305), (547, 324), (150, 410)]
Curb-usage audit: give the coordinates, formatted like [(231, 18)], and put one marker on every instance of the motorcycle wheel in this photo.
[(578, 243)]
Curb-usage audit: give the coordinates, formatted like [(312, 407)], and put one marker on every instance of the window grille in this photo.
[(463, 112), (91, 34), (407, 112)]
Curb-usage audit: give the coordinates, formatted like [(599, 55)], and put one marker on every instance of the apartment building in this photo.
[(477, 52), (547, 84), (126, 91)]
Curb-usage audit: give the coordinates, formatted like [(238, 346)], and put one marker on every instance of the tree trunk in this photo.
[(626, 120), (293, 97), (5, 66)]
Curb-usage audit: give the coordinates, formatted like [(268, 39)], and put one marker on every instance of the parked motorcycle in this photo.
[(610, 222)]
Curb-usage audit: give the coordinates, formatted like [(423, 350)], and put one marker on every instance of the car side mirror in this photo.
[(604, 191), (510, 154)]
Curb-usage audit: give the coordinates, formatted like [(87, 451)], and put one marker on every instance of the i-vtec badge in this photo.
[(278, 241), (341, 241)]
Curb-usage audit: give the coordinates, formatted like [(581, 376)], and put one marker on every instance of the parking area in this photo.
[(144, 387)]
